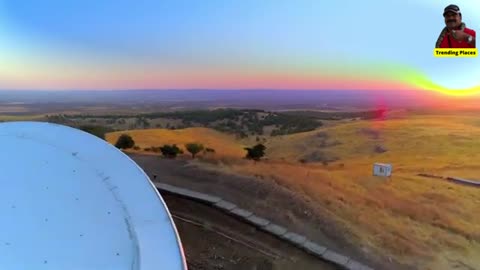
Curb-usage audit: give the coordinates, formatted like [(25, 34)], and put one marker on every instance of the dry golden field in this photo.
[(429, 223), (224, 145)]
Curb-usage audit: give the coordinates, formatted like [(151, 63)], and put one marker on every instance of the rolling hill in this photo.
[(428, 223), (422, 222)]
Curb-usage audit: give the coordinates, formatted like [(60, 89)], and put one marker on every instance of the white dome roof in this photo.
[(69, 200)]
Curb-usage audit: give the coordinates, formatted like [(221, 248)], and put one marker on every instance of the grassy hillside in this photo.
[(428, 222), (242, 123), (224, 145), (420, 143)]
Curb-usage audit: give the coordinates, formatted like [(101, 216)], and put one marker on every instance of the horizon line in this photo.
[(210, 89)]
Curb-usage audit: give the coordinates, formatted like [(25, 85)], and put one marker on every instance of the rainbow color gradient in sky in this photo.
[(216, 44)]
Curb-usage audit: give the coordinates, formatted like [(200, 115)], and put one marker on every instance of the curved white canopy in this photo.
[(69, 200)]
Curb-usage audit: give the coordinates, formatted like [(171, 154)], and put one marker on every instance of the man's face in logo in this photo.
[(453, 20)]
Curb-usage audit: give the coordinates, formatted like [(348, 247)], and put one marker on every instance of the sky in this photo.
[(237, 44)]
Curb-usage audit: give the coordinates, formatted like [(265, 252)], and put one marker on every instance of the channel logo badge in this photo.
[(467, 52)]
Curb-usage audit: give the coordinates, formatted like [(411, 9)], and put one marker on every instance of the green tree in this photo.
[(98, 131), (170, 151), (124, 142), (194, 148), (256, 152)]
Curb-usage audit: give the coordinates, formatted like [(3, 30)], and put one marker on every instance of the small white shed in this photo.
[(382, 169)]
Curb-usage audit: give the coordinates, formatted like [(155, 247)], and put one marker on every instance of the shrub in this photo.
[(170, 151), (256, 152), (125, 142), (209, 150)]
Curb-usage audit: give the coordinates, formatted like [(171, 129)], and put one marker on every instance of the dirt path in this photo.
[(214, 240)]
